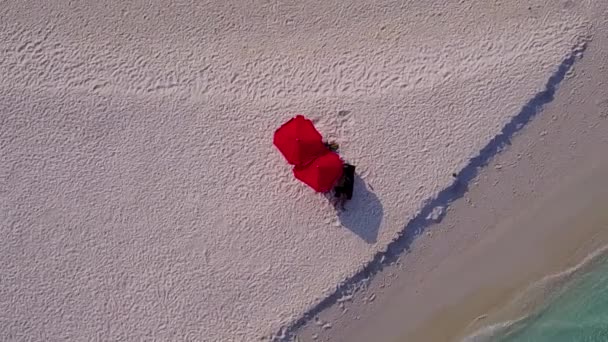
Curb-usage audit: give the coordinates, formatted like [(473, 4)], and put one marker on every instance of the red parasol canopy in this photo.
[(299, 141), (322, 173)]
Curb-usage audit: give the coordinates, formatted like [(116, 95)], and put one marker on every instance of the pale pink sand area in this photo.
[(528, 223), (141, 197)]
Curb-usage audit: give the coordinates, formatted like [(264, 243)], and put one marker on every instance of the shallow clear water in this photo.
[(579, 314)]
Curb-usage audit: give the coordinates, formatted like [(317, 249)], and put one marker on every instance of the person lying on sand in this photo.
[(343, 190)]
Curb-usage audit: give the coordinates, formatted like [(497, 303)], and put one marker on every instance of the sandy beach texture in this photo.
[(527, 223), (141, 197)]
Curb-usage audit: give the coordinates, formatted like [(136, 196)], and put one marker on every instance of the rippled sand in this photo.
[(536, 210)]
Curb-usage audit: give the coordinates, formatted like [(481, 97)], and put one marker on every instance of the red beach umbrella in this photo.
[(322, 173), (299, 141)]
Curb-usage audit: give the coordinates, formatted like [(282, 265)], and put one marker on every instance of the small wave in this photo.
[(488, 332), (590, 261), (536, 297)]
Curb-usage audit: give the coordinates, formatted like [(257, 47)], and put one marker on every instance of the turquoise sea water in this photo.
[(578, 314)]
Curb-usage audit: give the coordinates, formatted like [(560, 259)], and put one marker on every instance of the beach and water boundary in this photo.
[(564, 141), (579, 314), (541, 298), (141, 196), (424, 219)]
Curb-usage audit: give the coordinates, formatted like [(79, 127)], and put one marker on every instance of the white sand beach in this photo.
[(530, 218), (141, 197)]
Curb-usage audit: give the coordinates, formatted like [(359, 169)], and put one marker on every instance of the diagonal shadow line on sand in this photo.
[(444, 198)]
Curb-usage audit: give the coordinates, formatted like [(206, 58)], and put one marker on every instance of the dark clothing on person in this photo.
[(346, 183)]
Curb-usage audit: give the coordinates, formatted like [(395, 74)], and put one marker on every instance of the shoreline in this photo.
[(535, 299), (553, 152), (142, 196), (565, 256)]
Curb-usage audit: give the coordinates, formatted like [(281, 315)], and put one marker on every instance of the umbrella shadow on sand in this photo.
[(363, 213)]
